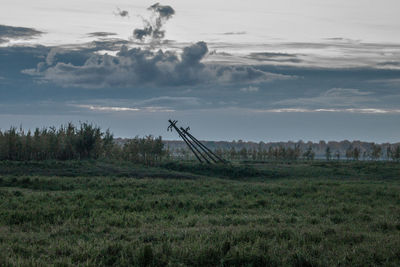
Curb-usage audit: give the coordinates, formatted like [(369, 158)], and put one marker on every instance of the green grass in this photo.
[(117, 219), (294, 170)]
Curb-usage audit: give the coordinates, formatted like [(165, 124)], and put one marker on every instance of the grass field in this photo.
[(264, 214)]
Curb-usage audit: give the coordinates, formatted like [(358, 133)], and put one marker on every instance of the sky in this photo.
[(238, 70)]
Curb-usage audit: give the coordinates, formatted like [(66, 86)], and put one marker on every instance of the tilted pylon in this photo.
[(202, 153)]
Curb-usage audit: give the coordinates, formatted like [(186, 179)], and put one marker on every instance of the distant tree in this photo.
[(396, 153), (365, 155), (167, 153), (260, 151), (254, 154), (349, 152), (389, 153), (184, 153), (271, 153), (88, 141), (337, 155), (356, 153), (376, 152), (309, 154), (108, 143), (281, 153), (328, 153), (232, 153), (147, 150), (265, 154), (219, 151), (243, 153), (297, 152)]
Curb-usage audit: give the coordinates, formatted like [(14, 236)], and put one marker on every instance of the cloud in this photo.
[(68, 53), (390, 64), (335, 97), (104, 108), (101, 34), (345, 92), (153, 27), (136, 67), (387, 82), (155, 104), (234, 33), (123, 109), (109, 44), (274, 57), (331, 110), (51, 55), (145, 66), (170, 101), (250, 89), (121, 13), (10, 32), (165, 12), (311, 55)]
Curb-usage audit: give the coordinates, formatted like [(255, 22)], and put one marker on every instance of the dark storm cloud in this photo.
[(109, 44), (140, 34), (101, 34), (121, 13), (79, 54), (165, 12), (215, 52), (153, 28), (10, 32), (136, 66)]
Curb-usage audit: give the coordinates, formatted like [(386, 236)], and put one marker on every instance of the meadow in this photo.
[(109, 213)]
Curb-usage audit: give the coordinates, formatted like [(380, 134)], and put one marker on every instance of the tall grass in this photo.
[(109, 221)]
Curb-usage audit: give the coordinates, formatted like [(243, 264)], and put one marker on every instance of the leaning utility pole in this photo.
[(195, 145), (187, 141), (206, 150)]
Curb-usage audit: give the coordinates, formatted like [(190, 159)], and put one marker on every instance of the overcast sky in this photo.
[(259, 70)]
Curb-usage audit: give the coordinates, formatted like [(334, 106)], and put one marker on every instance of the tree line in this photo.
[(282, 153), (88, 141), (70, 142), (364, 150)]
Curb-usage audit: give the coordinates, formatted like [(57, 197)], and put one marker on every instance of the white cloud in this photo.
[(331, 110), (250, 89), (103, 108), (123, 109)]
